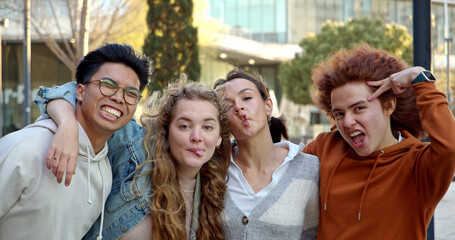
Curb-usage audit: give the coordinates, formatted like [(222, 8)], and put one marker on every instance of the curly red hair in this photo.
[(363, 64)]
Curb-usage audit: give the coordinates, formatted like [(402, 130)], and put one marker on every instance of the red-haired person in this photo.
[(377, 179)]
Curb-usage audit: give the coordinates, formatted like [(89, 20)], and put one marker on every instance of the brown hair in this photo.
[(168, 208), (277, 126), (363, 64)]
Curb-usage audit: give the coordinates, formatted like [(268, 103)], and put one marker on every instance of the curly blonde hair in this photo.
[(168, 208)]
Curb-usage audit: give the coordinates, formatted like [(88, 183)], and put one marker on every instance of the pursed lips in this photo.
[(244, 119)]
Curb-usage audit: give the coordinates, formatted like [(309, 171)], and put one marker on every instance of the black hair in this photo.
[(114, 53)]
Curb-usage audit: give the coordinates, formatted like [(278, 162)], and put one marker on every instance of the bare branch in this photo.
[(111, 24), (65, 43), (15, 7), (111, 19), (71, 16), (51, 44)]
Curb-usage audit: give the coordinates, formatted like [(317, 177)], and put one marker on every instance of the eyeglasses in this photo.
[(109, 87)]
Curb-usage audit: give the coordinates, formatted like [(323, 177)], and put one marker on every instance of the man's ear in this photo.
[(80, 91), (389, 106)]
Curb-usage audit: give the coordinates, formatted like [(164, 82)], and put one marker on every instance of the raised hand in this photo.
[(399, 82)]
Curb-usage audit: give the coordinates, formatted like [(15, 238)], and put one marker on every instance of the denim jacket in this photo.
[(123, 209)]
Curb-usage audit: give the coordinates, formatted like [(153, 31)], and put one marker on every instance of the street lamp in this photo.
[(448, 39), (3, 23)]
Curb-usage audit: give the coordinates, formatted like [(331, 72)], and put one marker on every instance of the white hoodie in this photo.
[(32, 204)]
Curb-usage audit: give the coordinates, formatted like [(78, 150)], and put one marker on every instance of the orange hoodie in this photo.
[(392, 193)]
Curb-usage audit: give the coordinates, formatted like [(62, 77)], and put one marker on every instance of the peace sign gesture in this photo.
[(399, 82)]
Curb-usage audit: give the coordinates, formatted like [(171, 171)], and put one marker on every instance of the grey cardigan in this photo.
[(289, 211)]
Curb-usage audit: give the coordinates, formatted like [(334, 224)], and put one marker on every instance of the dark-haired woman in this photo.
[(273, 188)]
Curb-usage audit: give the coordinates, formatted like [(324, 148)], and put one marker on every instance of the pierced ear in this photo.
[(80, 91)]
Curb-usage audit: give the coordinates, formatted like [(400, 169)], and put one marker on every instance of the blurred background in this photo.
[(42, 42)]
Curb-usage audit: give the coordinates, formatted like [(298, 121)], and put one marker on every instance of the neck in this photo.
[(189, 174), (98, 143), (255, 152), (389, 140), (97, 137)]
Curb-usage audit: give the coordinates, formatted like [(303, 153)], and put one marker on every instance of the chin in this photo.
[(362, 152)]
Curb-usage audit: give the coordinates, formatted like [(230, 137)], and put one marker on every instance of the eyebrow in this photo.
[(350, 106), (244, 90), (189, 120), (240, 92), (118, 83)]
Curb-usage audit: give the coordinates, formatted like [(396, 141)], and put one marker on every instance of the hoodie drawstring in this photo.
[(100, 236), (368, 181), (89, 200), (326, 195)]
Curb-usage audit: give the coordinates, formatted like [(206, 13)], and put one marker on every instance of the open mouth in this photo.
[(358, 139), (111, 112)]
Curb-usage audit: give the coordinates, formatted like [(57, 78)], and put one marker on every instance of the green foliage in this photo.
[(171, 42), (295, 75)]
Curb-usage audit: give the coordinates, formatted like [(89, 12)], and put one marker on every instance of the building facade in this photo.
[(253, 34), (46, 68), (277, 27)]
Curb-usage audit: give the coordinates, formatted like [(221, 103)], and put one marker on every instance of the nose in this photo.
[(238, 108), (349, 120), (118, 96), (196, 136)]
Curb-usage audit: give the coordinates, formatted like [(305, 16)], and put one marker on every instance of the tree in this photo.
[(172, 41), (295, 75), (70, 28), (122, 21)]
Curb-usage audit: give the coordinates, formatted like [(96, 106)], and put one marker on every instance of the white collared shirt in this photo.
[(239, 188)]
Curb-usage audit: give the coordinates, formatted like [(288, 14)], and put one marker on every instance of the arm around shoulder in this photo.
[(45, 95)]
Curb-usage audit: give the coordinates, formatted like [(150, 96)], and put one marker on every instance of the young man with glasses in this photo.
[(32, 204)]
